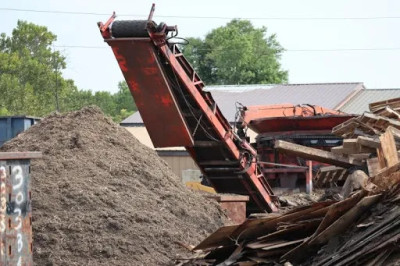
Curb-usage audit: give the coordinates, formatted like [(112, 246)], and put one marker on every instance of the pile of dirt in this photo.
[(102, 198)]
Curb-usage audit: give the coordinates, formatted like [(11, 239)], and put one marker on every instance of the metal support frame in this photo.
[(144, 80)]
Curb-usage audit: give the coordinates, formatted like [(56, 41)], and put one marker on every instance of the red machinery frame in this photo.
[(177, 112)]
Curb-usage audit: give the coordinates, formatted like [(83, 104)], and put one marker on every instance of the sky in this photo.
[(325, 41)]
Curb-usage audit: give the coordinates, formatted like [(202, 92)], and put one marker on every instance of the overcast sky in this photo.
[(344, 42)]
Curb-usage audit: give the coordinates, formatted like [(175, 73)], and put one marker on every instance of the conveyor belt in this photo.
[(177, 112), (129, 29)]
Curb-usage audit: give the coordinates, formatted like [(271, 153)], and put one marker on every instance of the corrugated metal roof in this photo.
[(359, 103), (329, 95)]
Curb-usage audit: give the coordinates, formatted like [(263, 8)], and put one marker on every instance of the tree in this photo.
[(124, 99), (31, 81), (31, 69), (237, 53)]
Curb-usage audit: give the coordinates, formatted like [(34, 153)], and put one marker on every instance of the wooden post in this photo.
[(314, 154)]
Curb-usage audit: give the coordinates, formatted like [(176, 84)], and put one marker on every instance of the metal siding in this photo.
[(328, 95), (180, 163), (359, 103), (3, 131), (12, 126)]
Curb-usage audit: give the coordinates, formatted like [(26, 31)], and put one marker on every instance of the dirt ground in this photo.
[(102, 198)]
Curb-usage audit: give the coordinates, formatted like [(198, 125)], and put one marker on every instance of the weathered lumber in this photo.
[(342, 223), (395, 131), (20, 155), (297, 235), (356, 149), (330, 174), (373, 166), (383, 122), (350, 144), (360, 156), (389, 149), (218, 238), (313, 154), (376, 106), (346, 127), (389, 112), (338, 209), (368, 142), (385, 172), (330, 168)]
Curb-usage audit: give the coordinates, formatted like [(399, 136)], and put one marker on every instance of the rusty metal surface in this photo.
[(177, 112), (151, 91), (236, 210), (15, 213), (313, 123), (20, 155)]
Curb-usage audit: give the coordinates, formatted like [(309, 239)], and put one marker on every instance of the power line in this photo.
[(288, 50), (198, 17), (81, 46), (344, 49)]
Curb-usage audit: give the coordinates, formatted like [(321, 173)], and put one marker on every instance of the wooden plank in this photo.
[(395, 131), (360, 156), (350, 143), (345, 127), (338, 209), (382, 104), (330, 168), (389, 112), (385, 172), (373, 166), (20, 155), (389, 148), (218, 238), (251, 229), (381, 158), (301, 230), (339, 175), (284, 244), (356, 149), (341, 224), (368, 117), (368, 142), (319, 178), (313, 154)]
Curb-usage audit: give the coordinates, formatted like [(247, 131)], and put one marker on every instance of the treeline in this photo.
[(31, 82)]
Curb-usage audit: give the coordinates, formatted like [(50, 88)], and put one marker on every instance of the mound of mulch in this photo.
[(102, 198)]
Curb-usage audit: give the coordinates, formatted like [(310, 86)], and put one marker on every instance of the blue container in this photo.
[(11, 126)]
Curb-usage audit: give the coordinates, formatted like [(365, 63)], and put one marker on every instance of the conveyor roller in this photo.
[(129, 29)]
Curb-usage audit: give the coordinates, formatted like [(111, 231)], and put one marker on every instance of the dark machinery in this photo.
[(177, 112), (307, 125)]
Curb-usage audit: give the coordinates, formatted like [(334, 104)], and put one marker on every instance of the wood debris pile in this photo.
[(362, 226)]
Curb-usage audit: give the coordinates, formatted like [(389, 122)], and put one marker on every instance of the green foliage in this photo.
[(237, 53), (4, 111), (31, 78), (123, 98)]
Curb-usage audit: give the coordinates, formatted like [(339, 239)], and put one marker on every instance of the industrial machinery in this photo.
[(177, 112), (307, 125)]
